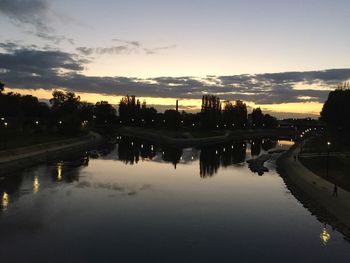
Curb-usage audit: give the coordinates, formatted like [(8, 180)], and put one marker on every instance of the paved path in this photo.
[(316, 187)]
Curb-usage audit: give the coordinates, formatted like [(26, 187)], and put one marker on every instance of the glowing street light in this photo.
[(328, 146)]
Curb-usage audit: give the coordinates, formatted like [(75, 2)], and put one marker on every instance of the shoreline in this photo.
[(314, 192), (156, 136), (25, 157)]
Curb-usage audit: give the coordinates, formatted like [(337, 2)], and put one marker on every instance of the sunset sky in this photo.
[(281, 55)]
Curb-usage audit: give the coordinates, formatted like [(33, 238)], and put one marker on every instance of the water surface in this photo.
[(140, 202)]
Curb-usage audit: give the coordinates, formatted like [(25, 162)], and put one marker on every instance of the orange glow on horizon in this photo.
[(305, 108)]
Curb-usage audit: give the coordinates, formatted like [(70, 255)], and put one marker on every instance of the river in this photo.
[(139, 202)]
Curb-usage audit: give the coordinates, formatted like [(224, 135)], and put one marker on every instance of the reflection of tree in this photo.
[(131, 149), (212, 157), (239, 152), (147, 151), (268, 144), (209, 161), (172, 155), (255, 147)]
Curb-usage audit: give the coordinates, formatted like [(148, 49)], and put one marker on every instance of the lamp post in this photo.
[(328, 146)]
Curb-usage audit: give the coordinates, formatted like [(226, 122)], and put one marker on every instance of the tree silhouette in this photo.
[(336, 110), (172, 119), (2, 85), (270, 121), (211, 111), (257, 118), (104, 113), (65, 108)]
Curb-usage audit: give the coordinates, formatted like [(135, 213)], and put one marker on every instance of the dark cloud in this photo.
[(33, 62), (30, 67)]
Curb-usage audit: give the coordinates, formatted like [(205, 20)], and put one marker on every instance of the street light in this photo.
[(328, 146)]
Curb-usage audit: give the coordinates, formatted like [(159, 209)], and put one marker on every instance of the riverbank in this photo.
[(314, 192), (23, 157), (186, 139)]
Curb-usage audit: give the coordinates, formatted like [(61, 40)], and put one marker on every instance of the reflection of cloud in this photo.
[(30, 67), (126, 189)]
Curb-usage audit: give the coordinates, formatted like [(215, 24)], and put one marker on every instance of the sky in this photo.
[(284, 56)]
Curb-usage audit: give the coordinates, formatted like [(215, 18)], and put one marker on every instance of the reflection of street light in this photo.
[(59, 172), (5, 200), (325, 236), (36, 184)]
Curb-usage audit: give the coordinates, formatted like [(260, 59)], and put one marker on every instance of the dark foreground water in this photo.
[(142, 203)]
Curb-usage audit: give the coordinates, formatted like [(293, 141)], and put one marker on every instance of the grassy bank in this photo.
[(338, 171)]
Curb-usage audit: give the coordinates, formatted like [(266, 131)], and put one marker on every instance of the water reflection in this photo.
[(202, 218), (131, 150), (268, 144), (5, 200), (59, 172), (213, 157), (255, 147), (325, 236), (36, 184)]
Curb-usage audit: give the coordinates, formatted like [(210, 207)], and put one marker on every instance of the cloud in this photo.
[(151, 51), (33, 12), (125, 47), (30, 67), (116, 50), (33, 62), (132, 43)]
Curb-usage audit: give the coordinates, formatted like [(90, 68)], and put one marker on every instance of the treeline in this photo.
[(214, 114), (336, 111), (65, 113)]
